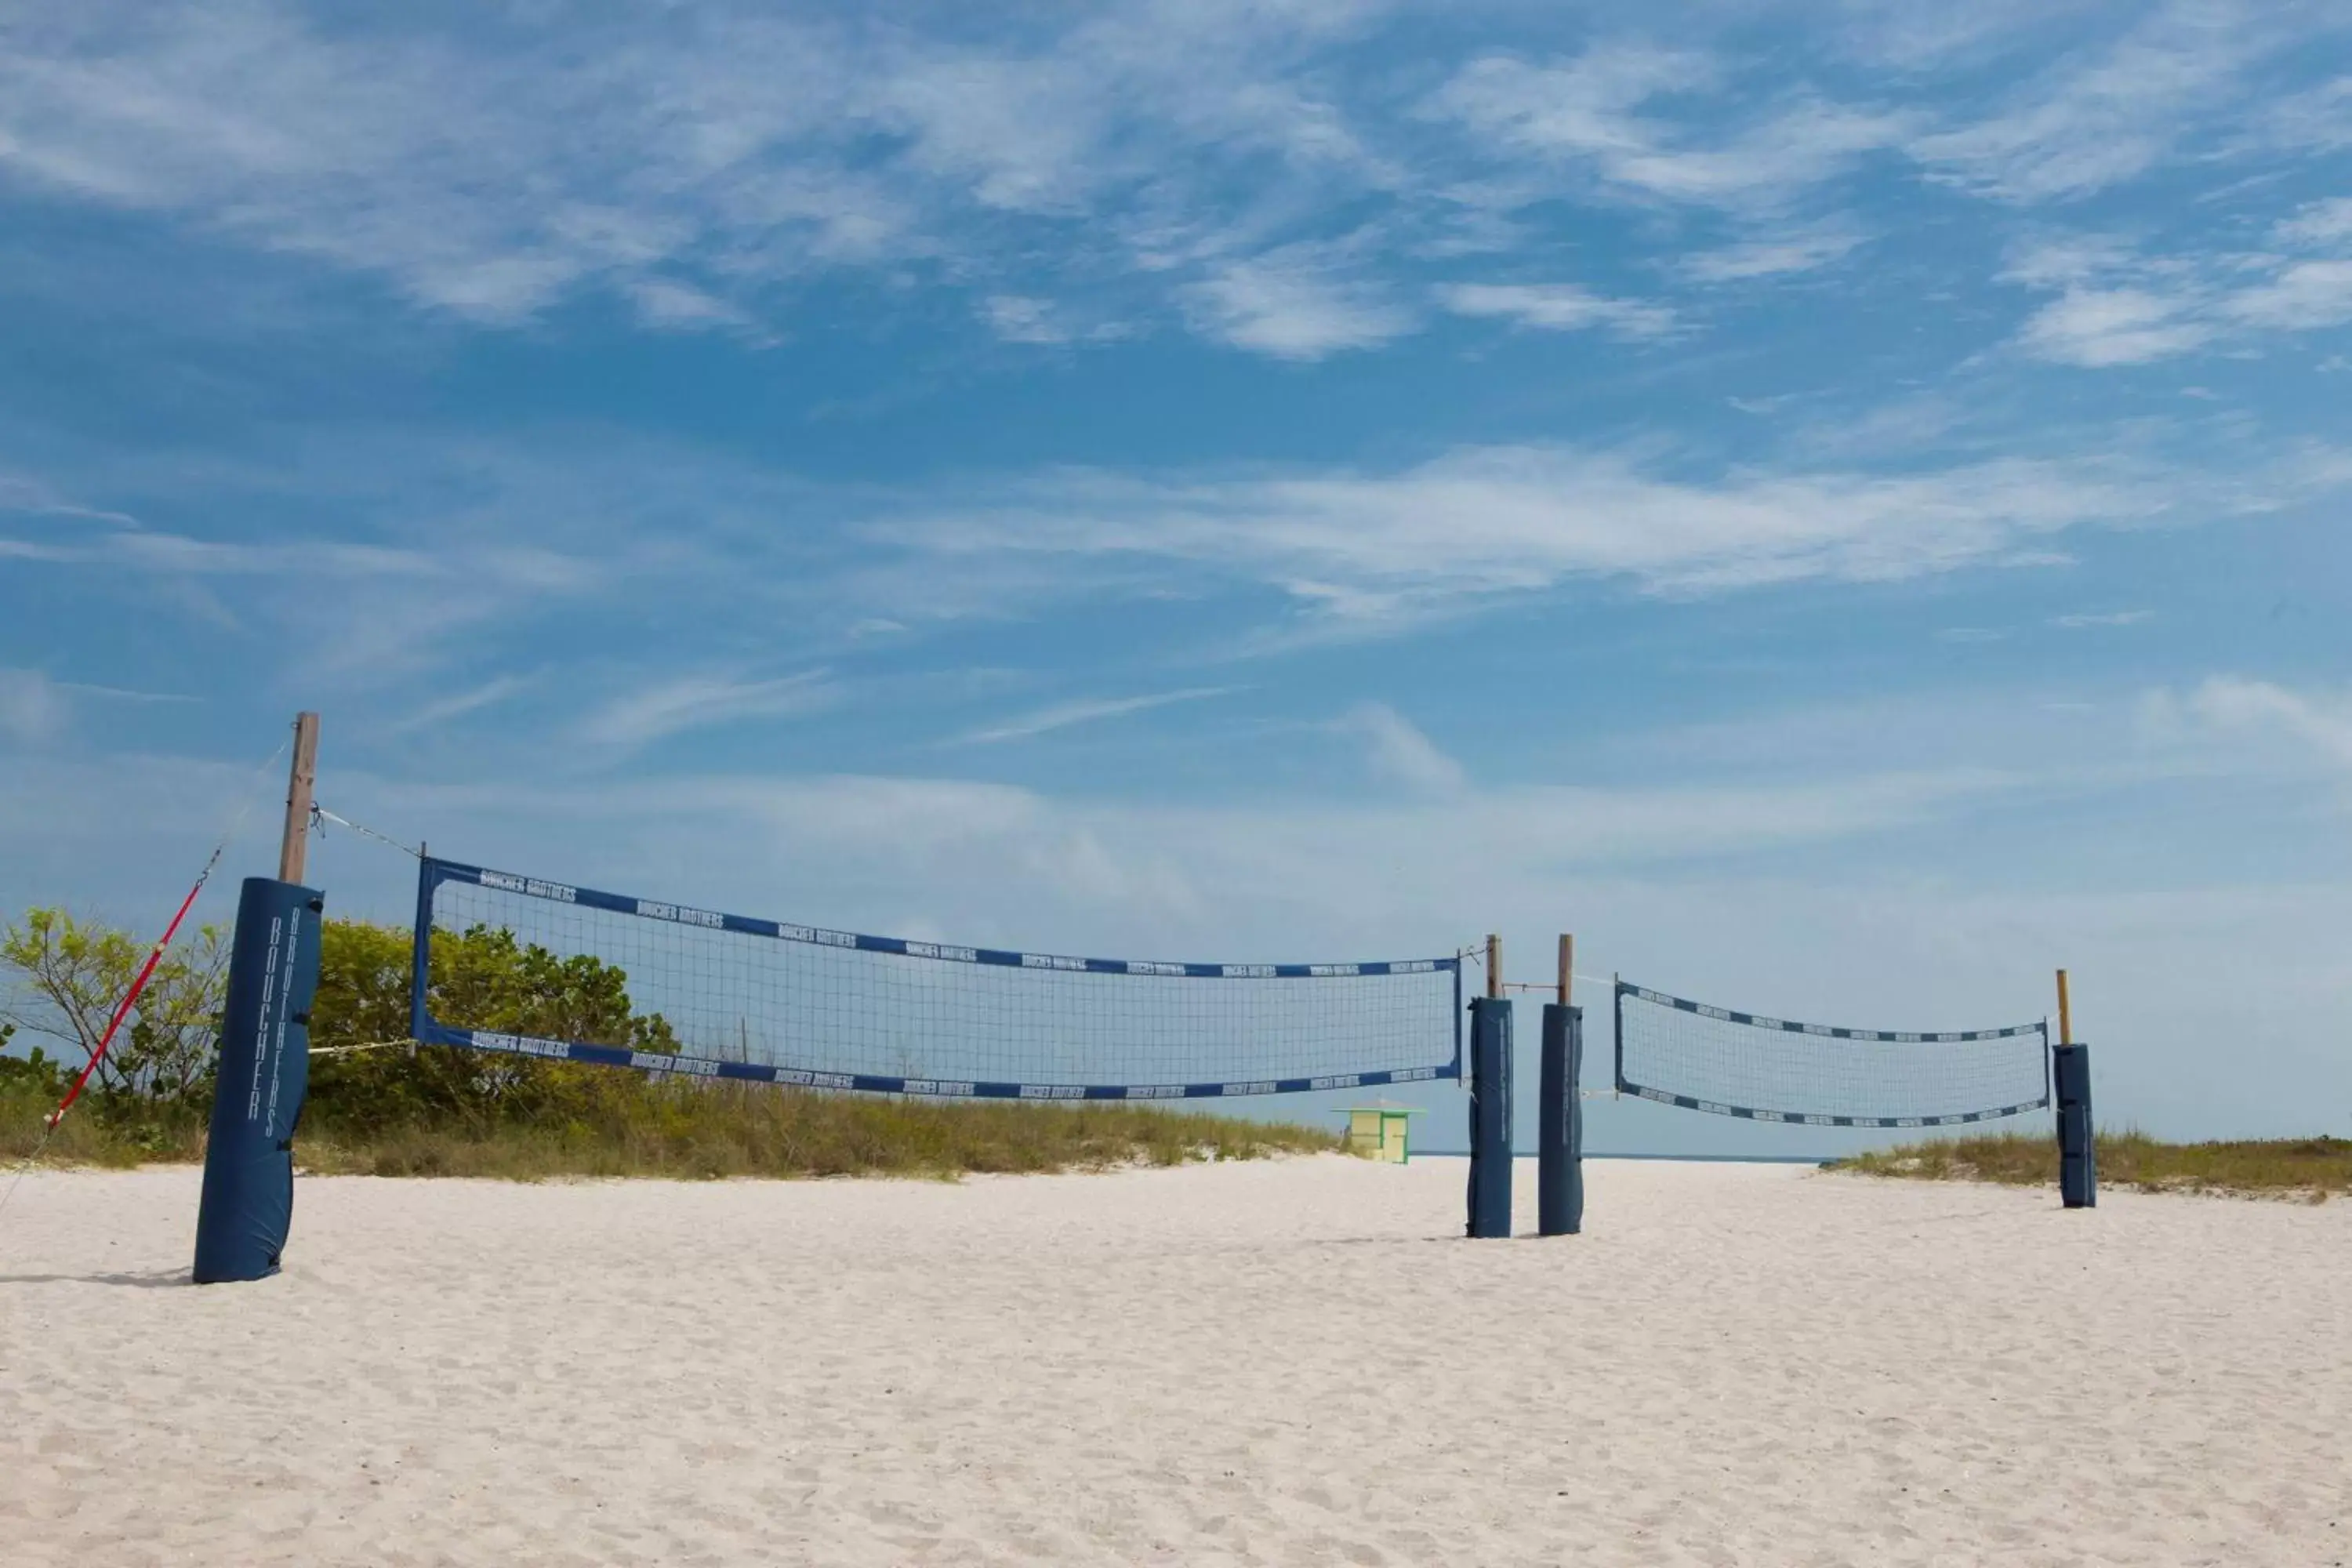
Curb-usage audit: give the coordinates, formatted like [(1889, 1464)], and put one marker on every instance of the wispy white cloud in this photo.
[(1777, 252), (1400, 753), (29, 497), (695, 703), (2101, 118), (459, 704), (2318, 119), (2068, 261), (1297, 552), (1557, 306), (179, 554), (663, 302), (703, 169), (2122, 305), (2318, 223), (1020, 319), (1913, 37), (2097, 328), (121, 543), (2232, 704), (1303, 302), (1599, 116), (367, 612), (2102, 618), (2305, 295), (1384, 549), (1587, 105), (695, 168), (1065, 715)]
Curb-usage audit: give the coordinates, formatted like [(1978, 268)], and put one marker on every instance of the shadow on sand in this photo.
[(154, 1280)]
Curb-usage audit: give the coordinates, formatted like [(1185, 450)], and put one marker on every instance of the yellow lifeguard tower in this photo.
[(1377, 1131)]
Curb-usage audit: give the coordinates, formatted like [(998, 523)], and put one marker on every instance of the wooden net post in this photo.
[(294, 848)]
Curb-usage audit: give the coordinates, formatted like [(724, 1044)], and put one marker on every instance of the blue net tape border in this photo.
[(875, 1083), (1794, 1119), (1758, 1021), (437, 871)]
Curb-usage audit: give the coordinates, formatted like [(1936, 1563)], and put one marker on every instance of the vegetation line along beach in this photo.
[(2312, 1167), (379, 1105)]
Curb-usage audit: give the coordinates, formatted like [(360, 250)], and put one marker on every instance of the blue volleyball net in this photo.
[(1687, 1054), (518, 964)]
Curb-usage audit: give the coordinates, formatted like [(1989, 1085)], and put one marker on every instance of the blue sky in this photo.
[(1843, 506)]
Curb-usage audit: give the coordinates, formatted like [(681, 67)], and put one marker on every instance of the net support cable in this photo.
[(1675, 1051), (730, 996)]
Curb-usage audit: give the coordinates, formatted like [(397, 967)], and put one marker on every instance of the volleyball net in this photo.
[(1687, 1054), (521, 965)]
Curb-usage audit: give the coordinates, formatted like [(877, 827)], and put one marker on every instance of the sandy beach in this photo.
[(1283, 1362)]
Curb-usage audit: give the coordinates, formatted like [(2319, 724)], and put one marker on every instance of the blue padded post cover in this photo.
[(264, 1072), (1559, 1146), (2078, 1163), (1490, 1117)]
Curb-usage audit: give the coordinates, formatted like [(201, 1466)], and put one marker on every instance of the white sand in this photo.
[(1284, 1364)]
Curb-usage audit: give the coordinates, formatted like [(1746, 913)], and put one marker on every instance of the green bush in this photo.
[(35, 1074), (367, 1078)]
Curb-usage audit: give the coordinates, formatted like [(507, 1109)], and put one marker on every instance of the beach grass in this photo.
[(89, 1136), (2310, 1168), (703, 1131)]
